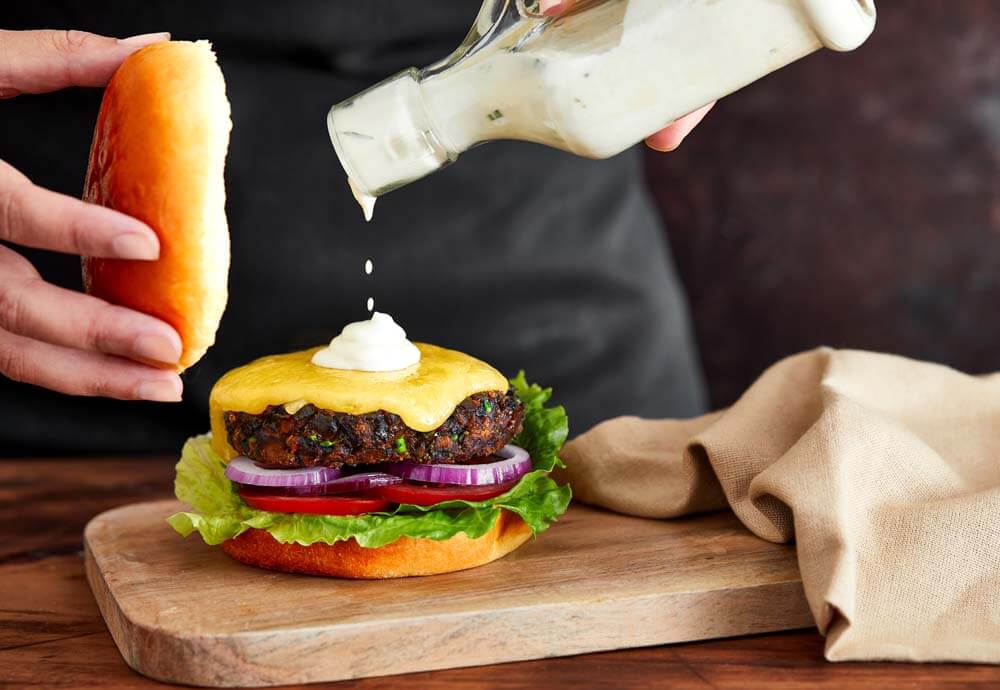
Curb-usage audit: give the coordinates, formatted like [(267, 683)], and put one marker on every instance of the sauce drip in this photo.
[(369, 267), (366, 202)]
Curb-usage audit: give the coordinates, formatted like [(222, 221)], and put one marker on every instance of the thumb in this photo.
[(42, 61)]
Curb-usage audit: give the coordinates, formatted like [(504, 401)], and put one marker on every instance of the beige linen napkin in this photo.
[(885, 471)]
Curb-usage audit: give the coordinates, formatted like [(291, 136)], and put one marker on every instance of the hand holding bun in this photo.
[(51, 336), (159, 155)]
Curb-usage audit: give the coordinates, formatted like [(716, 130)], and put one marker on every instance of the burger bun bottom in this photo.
[(404, 557)]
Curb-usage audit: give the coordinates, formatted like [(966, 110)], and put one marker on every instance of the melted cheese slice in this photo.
[(423, 395)]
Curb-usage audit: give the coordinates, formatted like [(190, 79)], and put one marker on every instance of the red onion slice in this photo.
[(515, 463), (243, 470), (345, 485)]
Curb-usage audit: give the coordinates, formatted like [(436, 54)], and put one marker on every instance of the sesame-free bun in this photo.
[(404, 557), (158, 154)]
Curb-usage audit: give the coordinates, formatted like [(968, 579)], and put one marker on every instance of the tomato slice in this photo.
[(347, 504), (431, 494)]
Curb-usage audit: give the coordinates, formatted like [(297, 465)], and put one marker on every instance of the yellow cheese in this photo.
[(423, 395)]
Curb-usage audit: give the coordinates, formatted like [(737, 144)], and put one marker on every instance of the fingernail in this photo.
[(145, 39), (549, 6), (159, 348), (663, 150), (168, 390), (134, 245)]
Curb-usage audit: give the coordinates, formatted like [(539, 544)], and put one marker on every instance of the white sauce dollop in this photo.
[(378, 344)]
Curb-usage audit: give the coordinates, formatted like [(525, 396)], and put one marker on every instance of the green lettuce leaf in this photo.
[(545, 428), (219, 513)]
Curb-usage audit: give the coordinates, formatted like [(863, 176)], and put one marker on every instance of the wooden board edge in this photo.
[(115, 620), (797, 616), (140, 647), (236, 660)]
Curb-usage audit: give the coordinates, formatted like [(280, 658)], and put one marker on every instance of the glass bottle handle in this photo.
[(494, 18)]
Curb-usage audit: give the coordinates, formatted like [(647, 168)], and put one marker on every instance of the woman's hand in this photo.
[(56, 338), (671, 136)]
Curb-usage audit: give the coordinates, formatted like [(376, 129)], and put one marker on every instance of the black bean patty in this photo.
[(480, 425)]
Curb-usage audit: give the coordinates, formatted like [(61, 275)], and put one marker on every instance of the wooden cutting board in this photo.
[(183, 612)]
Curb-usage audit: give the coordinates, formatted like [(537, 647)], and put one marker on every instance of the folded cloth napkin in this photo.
[(884, 470)]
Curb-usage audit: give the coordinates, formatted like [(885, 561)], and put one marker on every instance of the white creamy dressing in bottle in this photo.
[(594, 81), (378, 344)]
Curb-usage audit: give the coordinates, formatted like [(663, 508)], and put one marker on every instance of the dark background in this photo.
[(850, 200)]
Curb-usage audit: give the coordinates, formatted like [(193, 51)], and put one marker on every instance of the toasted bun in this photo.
[(158, 154), (402, 558)]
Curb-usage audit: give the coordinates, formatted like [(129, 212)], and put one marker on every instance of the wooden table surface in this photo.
[(52, 635)]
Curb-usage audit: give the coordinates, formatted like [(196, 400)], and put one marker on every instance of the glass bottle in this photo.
[(592, 81)]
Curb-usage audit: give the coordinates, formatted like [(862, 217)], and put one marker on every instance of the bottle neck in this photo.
[(385, 137), (418, 121)]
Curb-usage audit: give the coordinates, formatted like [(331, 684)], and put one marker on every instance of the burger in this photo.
[(314, 463), (439, 466)]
